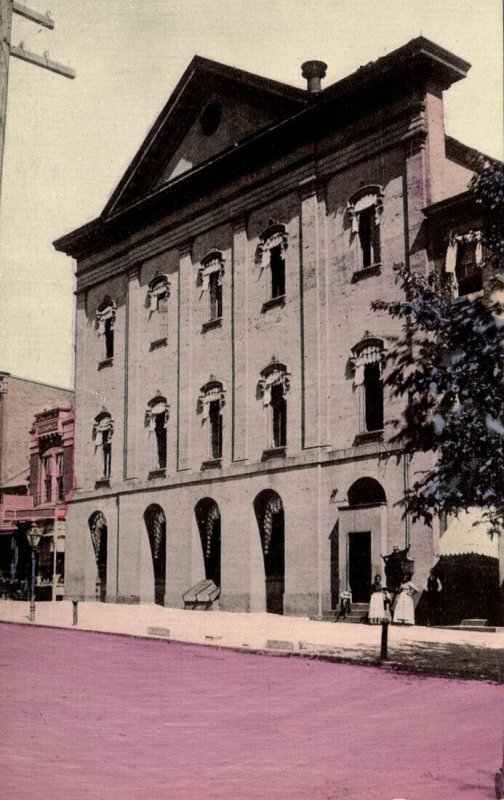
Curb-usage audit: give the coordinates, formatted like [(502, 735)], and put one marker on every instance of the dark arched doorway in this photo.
[(269, 513), (208, 518), (99, 533), (155, 522), (365, 492)]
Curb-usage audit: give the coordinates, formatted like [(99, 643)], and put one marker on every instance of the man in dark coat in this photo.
[(394, 563), (434, 589)]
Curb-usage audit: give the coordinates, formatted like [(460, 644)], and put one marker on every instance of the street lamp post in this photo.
[(33, 538)]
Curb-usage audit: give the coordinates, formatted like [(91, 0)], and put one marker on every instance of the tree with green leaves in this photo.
[(448, 364)]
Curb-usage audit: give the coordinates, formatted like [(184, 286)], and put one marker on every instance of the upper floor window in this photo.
[(271, 251), (60, 493), (158, 292), (103, 430), (274, 385), (210, 275), (211, 403), (367, 361), (156, 420), (364, 209), (463, 263), (47, 470), (105, 318), (278, 417), (215, 420), (50, 488)]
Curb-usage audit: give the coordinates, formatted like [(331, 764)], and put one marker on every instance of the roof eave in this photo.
[(464, 204)]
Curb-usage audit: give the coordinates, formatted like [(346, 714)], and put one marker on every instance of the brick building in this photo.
[(36, 467), (231, 417)]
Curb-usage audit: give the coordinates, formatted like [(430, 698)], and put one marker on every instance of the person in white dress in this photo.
[(378, 604), (404, 611)]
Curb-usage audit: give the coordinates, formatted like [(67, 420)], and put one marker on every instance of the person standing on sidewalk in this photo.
[(378, 603), (434, 589), (404, 611)]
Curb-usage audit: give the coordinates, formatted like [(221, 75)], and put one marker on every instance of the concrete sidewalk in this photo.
[(428, 650)]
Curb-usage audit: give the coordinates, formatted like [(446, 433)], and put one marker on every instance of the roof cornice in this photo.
[(414, 64)]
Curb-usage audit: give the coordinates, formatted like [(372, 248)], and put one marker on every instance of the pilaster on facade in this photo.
[(185, 400), (133, 357), (415, 198), (435, 143), (81, 400), (314, 314), (240, 366)]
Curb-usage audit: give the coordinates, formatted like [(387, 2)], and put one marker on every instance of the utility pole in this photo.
[(7, 9)]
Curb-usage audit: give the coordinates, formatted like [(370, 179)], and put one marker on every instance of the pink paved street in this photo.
[(87, 715)]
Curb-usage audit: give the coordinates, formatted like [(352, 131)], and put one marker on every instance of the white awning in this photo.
[(462, 536)]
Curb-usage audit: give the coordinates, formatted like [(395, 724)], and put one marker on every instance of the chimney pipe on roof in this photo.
[(313, 71)]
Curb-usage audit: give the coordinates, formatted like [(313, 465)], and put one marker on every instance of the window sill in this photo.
[(158, 343), (274, 302), (367, 437), (107, 362), (157, 473), (212, 323), (366, 272), (212, 463), (102, 483), (274, 452)]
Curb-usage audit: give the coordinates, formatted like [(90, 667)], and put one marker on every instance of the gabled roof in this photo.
[(151, 187), (201, 78)]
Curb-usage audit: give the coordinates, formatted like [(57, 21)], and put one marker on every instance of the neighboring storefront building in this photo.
[(38, 480), (232, 422)]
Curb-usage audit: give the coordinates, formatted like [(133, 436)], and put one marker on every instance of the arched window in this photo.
[(103, 429), (274, 385), (271, 251), (269, 512), (158, 292), (367, 361), (364, 208), (155, 523), (105, 320), (210, 275), (366, 491), (211, 402), (156, 421), (464, 258), (209, 525)]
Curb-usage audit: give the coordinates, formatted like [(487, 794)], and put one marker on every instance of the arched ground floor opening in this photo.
[(208, 520), (155, 523), (269, 513)]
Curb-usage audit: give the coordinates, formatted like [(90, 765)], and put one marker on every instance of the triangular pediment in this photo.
[(212, 109)]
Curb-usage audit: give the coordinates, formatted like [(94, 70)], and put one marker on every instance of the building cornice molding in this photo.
[(308, 459), (290, 135), (178, 234)]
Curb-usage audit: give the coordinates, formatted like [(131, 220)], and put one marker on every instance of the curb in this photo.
[(391, 666)]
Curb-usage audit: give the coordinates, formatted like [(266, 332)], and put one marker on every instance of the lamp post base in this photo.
[(384, 641), (32, 611)]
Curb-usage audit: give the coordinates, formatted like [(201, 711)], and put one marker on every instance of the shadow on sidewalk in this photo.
[(464, 660), (429, 658)]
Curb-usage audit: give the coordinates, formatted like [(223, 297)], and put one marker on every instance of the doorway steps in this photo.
[(471, 625), (358, 613)]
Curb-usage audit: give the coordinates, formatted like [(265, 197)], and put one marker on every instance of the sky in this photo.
[(68, 142)]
